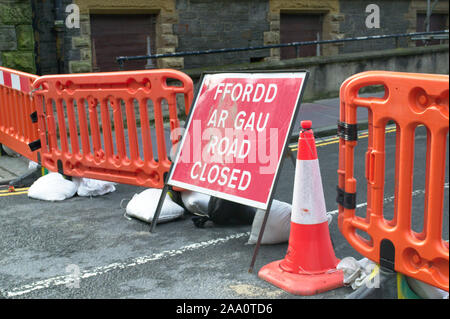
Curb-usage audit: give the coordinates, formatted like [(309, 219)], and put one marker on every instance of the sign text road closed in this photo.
[(236, 135)]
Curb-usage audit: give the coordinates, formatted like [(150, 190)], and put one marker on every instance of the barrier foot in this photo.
[(382, 285), (26, 179)]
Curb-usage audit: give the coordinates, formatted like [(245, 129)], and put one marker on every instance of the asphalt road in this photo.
[(44, 245)]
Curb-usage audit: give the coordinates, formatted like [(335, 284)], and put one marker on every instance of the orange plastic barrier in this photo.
[(84, 133), (16, 105), (410, 100)]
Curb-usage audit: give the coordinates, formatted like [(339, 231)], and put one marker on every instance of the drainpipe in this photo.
[(427, 22), (59, 29), (35, 24)]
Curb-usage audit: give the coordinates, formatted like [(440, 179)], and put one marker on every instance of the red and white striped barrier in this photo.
[(16, 80), (309, 266), (16, 105)]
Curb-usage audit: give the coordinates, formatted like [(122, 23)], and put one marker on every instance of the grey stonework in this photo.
[(392, 20), (15, 12), (46, 45), (328, 72), (194, 25), (205, 24), (16, 35), (8, 38), (45, 23)]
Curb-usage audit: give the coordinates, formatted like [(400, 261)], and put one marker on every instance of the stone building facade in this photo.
[(399, 16), (166, 17), (191, 25), (205, 24), (16, 35)]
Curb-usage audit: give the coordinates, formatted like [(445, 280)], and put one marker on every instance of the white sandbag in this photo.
[(143, 206), (277, 227), (93, 187), (32, 165), (356, 272), (195, 203), (52, 187)]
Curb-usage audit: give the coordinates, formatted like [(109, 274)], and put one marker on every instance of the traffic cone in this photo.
[(309, 266)]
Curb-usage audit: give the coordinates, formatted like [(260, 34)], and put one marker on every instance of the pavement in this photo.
[(12, 167), (86, 248)]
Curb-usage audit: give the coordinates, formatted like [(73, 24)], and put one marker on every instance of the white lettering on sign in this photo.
[(237, 148), (236, 134), (241, 123), (233, 146), (247, 93), (216, 121), (225, 176)]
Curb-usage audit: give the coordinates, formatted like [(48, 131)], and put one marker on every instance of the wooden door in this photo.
[(114, 35), (437, 22), (298, 28)]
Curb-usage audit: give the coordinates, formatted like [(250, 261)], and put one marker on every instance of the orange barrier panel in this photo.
[(16, 106), (88, 123), (410, 100)]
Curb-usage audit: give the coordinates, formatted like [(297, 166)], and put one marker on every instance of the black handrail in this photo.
[(121, 59)]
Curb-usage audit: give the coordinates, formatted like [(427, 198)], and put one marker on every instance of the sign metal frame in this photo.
[(285, 149)]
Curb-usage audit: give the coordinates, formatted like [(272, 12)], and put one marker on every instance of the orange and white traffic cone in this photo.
[(309, 266)]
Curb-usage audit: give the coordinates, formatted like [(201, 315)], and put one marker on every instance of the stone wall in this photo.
[(166, 39), (45, 39), (205, 24), (189, 25), (330, 28), (46, 48), (393, 19), (420, 6), (77, 41), (16, 35), (328, 72)]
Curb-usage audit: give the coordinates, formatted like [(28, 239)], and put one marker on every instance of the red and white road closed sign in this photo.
[(236, 135)]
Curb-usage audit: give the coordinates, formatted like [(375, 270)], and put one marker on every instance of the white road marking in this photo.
[(67, 279), (15, 81)]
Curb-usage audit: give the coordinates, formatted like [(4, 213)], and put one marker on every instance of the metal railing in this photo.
[(430, 35)]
